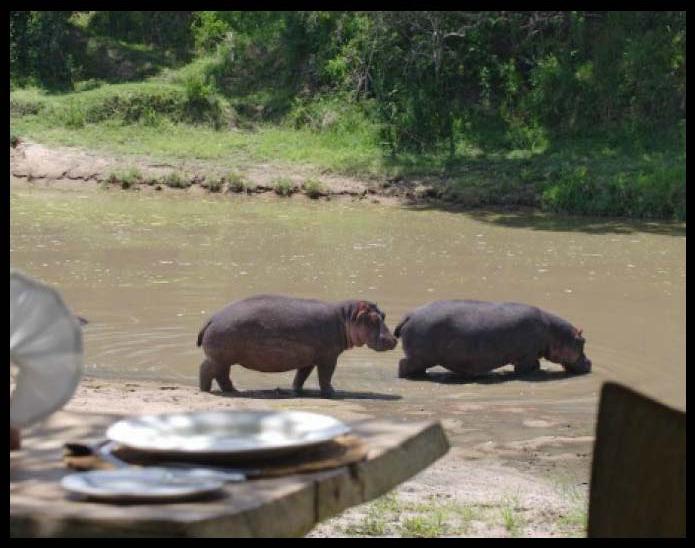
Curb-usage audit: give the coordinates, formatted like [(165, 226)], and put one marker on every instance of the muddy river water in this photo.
[(148, 269)]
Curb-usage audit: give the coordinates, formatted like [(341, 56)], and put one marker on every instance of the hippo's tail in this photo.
[(202, 331), (397, 331)]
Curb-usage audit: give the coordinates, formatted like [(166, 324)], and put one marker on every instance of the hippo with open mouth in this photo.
[(273, 333), (474, 337)]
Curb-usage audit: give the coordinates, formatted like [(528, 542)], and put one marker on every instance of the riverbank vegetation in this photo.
[(578, 112)]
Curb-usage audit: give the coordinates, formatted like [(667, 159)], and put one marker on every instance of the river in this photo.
[(148, 269)]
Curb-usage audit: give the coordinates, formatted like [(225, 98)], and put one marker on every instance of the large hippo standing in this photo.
[(474, 337), (274, 333)]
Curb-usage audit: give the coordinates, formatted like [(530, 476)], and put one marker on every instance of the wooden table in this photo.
[(278, 507)]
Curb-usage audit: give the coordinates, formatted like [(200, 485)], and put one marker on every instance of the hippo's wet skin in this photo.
[(273, 333), (474, 337)]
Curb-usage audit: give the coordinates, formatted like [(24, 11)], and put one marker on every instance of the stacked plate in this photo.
[(199, 437)]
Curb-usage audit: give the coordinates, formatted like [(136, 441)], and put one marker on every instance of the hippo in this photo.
[(473, 337), (275, 333)]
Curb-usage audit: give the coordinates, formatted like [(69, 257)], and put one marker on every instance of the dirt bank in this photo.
[(72, 166)]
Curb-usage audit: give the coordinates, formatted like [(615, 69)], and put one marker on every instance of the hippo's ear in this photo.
[(579, 332), (361, 310)]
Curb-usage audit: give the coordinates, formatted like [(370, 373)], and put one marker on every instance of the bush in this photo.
[(283, 186), (42, 48), (73, 116), (203, 101), (86, 85), (175, 180), (129, 103), (208, 30), (236, 182), (338, 113), (214, 185), (26, 106), (313, 188), (649, 192), (126, 178)]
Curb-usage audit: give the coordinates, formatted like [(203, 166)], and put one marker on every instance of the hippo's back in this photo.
[(255, 329), (445, 330), (272, 313)]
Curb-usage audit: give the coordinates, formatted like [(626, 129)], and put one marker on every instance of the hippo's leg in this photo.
[(325, 370), (212, 370), (524, 367), (409, 368), (300, 377)]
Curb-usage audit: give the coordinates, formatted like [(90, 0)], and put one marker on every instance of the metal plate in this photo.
[(226, 432), (132, 484)]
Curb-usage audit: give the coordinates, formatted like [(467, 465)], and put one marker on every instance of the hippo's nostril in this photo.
[(387, 343)]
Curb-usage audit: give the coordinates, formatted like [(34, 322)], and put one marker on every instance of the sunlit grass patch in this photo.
[(168, 119), (175, 180), (213, 185), (283, 186), (236, 182), (574, 520), (372, 525), (313, 188), (512, 519), (125, 177), (428, 525)]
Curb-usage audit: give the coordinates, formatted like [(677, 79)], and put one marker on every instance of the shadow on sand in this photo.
[(446, 377), (285, 393)]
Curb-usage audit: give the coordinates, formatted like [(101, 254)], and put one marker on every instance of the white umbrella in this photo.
[(46, 346)]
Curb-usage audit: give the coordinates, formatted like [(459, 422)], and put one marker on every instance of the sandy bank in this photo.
[(533, 488)]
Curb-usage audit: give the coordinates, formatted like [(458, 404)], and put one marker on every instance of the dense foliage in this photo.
[(425, 82)]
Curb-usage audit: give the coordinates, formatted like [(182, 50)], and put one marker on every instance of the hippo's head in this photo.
[(569, 352), (366, 326)]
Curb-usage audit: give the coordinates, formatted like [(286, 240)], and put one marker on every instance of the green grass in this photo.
[(574, 520), (313, 188), (177, 140), (125, 177), (213, 185), (283, 186), (375, 522), (176, 180), (434, 517), (372, 525), (180, 115), (236, 182), (437, 516), (511, 519), (430, 525), (387, 503), (141, 102)]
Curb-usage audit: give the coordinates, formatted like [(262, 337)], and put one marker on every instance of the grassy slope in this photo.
[(599, 176), (123, 118)]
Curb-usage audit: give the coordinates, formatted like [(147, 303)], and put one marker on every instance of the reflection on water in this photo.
[(147, 270)]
